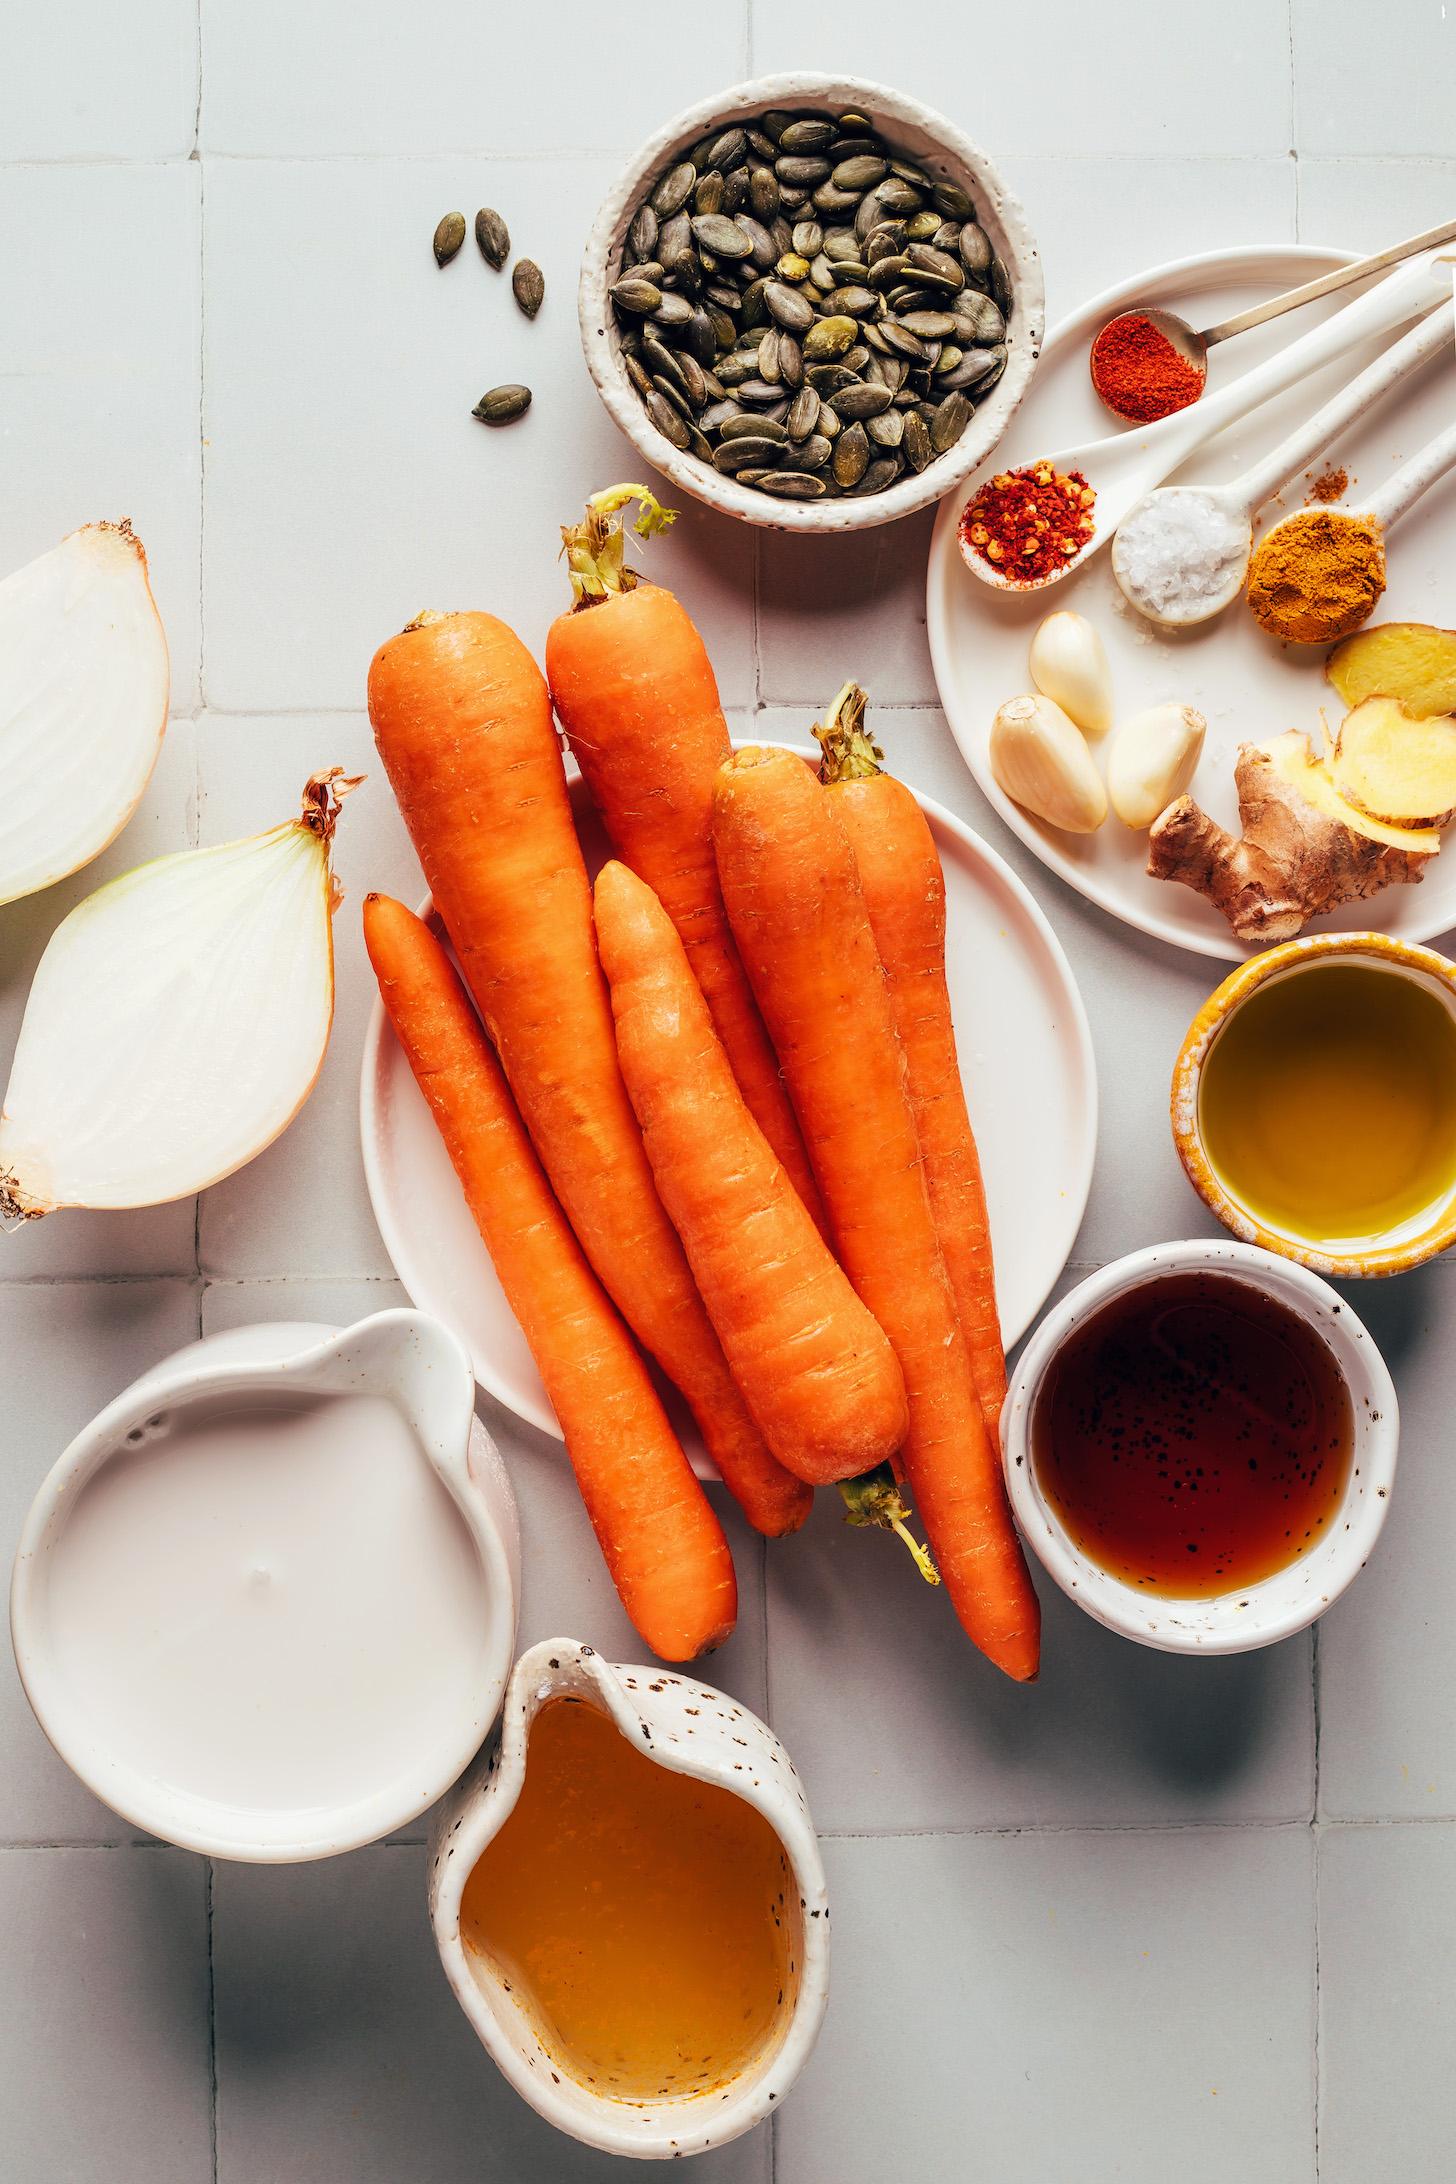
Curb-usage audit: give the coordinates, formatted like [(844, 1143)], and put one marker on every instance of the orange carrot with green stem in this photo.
[(634, 690), (904, 892), (662, 1543), (818, 1375), (798, 912), (462, 719)]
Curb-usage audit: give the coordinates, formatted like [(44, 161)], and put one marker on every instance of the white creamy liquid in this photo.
[(275, 1606)]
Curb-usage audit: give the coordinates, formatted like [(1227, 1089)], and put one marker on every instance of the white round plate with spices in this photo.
[(1025, 1049), (1247, 685)]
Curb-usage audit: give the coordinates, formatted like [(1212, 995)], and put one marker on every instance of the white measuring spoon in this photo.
[(1127, 465), (1191, 513)]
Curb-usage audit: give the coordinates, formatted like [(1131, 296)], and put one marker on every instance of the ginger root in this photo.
[(1412, 661), (1395, 767), (1296, 858)]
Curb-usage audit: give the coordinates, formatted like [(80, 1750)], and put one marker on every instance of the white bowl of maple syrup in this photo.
[(1200, 1444)]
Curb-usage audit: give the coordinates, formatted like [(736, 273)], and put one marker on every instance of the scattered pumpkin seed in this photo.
[(493, 237), (449, 235), (528, 285), (502, 405)]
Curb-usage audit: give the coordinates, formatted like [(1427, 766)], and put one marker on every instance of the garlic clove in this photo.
[(1040, 760), (1151, 760), (1069, 665), (176, 1023), (83, 703)]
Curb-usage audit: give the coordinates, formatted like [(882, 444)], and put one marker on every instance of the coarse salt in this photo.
[(1180, 553)]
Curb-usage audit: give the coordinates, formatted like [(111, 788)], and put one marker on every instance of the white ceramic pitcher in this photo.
[(694, 1730)]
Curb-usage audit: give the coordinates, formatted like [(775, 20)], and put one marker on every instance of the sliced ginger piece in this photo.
[(1412, 661), (1394, 767), (1303, 850)]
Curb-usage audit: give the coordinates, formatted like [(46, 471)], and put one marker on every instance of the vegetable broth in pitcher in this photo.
[(647, 1919), (1194, 1435)]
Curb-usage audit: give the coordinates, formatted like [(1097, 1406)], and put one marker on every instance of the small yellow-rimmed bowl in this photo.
[(1422, 1238)]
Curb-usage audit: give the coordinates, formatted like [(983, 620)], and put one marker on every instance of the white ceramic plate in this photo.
[(1248, 686), (1031, 1082)]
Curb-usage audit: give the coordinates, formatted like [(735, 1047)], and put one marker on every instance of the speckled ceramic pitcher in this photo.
[(694, 1730)]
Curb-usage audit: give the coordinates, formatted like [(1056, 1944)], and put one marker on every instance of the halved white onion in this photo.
[(177, 1021), (83, 703)]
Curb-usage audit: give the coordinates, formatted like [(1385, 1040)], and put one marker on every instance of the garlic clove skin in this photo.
[(176, 1023), (1069, 665), (1041, 761), (83, 703), (1151, 760)]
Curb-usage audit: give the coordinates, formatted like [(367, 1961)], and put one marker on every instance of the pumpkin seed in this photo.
[(449, 235), (888, 429), (916, 441), (807, 238), (503, 405), (947, 235), (1000, 281), (849, 145), (768, 358), (698, 339), (791, 198), (791, 359), (829, 424), (757, 391), (980, 317), (735, 369), (862, 401), (840, 243), (953, 201), (763, 192), (925, 258), (883, 471), (720, 415), (636, 295), (827, 379), (829, 337), (803, 414), (949, 422), (900, 198), (859, 173), (638, 373), (851, 302), (814, 452), (673, 394), (746, 452), (493, 237), (902, 342), (708, 193), (762, 249), (787, 306), (673, 311), (672, 427), (674, 190), (802, 171), (922, 227), (974, 245), (742, 426), (791, 267), (929, 325), (774, 123), (792, 485), (977, 368), (727, 150), (809, 134), (760, 144), (851, 455), (829, 198), (947, 361), (528, 286), (661, 362), (714, 231)]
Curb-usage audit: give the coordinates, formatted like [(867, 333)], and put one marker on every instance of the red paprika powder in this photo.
[(1026, 523), (1138, 373)]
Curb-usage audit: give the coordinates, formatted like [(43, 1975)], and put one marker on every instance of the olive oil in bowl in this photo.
[(646, 1918), (1194, 1435), (1327, 1103)]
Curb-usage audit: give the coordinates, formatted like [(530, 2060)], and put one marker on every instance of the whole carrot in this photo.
[(819, 1376), (662, 1543), (462, 719), (634, 690), (798, 913), (904, 892)]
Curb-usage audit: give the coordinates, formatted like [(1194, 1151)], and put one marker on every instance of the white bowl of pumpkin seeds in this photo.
[(812, 303)]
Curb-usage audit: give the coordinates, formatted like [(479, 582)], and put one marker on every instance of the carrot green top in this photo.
[(595, 548), (850, 751)]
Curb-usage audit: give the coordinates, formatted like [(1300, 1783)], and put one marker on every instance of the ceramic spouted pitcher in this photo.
[(672, 1721)]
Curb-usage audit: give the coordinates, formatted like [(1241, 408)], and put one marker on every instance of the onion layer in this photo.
[(83, 703), (177, 1021)]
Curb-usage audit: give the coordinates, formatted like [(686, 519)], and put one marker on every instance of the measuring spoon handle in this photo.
[(1363, 392), (1411, 480), (1328, 284)]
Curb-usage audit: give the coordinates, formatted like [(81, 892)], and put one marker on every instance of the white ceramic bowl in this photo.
[(420, 1367), (694, 1730), (923, 135), (1276, 1607)]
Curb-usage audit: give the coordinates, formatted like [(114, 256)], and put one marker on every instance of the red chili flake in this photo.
[(1139, 373), (1025, 523)]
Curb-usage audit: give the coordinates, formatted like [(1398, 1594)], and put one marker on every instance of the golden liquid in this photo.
[(1328, 1103), (648, 1921)]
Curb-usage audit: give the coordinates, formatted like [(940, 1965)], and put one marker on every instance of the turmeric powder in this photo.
[(1317, 575)]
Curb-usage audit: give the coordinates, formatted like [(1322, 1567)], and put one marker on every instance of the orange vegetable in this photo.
[(634, 690), (798, 912), (662, 1543), (904, 892), (463, 723), (819, 1376)]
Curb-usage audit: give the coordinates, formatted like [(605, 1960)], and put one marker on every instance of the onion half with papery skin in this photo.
[(177, 1021), (83, 703)]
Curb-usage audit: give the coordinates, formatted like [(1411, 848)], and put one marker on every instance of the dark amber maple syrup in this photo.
[(1194, 1435)]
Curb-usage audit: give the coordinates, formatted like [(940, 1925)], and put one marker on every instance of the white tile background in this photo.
[(1153, 1920)]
